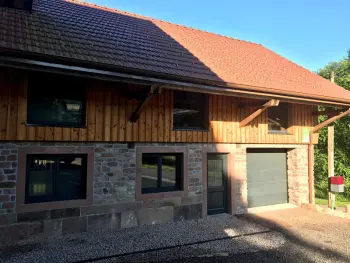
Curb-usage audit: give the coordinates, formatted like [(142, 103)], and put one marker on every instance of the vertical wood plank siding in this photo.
[(108, 110)]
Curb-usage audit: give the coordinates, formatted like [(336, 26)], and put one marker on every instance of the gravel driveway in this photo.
[(293, 235)]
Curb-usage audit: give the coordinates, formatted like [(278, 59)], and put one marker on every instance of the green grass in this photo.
[(340, 201)]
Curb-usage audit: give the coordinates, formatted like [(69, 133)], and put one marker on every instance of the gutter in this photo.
[(174, 83)]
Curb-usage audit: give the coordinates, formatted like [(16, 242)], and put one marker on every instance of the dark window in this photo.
[(278, 119), (161, 172), (190, 111), (55, 177), (56, 100)]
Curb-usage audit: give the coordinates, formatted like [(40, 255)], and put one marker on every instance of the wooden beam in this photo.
[(256, 105), (330, 161), (270, 103), (143, 103), (330, 120)]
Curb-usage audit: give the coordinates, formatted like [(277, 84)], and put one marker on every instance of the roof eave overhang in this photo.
[(170, 82)]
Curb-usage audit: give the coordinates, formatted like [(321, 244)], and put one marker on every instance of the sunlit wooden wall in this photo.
[(108, 112)]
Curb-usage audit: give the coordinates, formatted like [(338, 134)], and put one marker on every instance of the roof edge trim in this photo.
[(230, 90)]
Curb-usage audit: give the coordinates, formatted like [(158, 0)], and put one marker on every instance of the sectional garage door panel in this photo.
[(267, 177)]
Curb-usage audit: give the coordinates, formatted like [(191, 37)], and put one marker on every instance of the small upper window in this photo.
[(161, 172), (278, 119), (55, 100), (56, 177), (190, 111)]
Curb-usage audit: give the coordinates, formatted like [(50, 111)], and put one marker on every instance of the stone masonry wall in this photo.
[(298, 186), (114, 203), (114, 191), (8, 173), (240, 170), (297, 172)]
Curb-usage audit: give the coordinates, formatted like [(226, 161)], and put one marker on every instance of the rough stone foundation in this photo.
[(114, 202)]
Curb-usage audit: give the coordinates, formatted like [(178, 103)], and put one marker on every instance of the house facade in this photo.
[(165, 135)]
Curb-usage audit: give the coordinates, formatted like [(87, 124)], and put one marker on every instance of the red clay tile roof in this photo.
[(83, 32)]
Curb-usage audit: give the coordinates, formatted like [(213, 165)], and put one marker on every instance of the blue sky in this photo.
[(308, 32)]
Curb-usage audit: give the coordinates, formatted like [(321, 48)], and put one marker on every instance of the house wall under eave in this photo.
[(109, 109)]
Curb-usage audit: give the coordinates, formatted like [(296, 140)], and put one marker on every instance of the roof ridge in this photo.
[(155, 19)]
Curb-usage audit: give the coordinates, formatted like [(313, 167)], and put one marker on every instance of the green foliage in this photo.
[(341, 70)]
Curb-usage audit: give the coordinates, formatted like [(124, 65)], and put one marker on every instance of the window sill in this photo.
[(20, 208)]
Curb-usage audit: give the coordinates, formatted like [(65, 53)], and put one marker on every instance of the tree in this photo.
[(341, 71)]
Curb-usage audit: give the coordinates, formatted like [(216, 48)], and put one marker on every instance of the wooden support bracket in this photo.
[(270, 103), (143, 103), (330, 120)]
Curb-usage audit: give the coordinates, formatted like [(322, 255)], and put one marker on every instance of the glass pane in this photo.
[(278, 118), (40, 177), (216, 200), (189, 110), (149, 171), (215, 173), (168, 171), (55, 111), (56, 99), (71, 179)]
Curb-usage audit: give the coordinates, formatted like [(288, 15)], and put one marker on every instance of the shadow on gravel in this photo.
[(293, 238), (296, 249)]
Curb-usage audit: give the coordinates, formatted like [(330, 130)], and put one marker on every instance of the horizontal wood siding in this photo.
[(109, 109)]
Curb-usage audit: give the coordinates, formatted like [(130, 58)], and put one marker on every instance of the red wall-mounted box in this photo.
[(336, 184)]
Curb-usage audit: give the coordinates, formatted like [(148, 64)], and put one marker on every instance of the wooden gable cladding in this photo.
[(109, 109)]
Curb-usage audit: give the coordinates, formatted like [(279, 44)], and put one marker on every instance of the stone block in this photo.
[(128, 219), (33, 216), (4, 198), (11, 177), (195, 211), (5, 164), (9, 171), (7, 184), (14, 232), (52, 227), (151, 216), (156, 203), (8, 219), (8, 205), (347, 209), (191, 200), (72, 225), (96, 209), (111, 208), (35, 228), (9, 191), (12, 157), (62, 213), (181, 212), (106, 221)]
